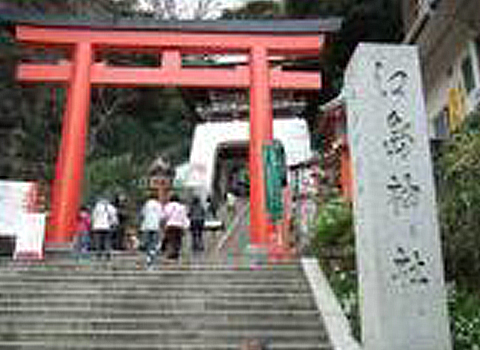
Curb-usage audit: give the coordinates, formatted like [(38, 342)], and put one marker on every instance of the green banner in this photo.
[(275, 178)]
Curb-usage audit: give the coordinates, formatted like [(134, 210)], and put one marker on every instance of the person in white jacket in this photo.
[(176, 218), (104, 221), (152, 214)]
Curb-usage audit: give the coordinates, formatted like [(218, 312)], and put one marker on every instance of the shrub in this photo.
[(334, 222), (334, 245), (345, 286), (458, 175), (464, 307), (113, 175), (333, 239)]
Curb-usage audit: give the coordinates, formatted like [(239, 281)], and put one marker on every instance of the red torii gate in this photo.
[(258, 39)]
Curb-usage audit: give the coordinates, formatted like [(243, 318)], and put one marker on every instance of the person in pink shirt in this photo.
[(82, 242), (176, 221)]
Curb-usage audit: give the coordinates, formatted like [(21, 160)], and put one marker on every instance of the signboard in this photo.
[(14, 201), (456, 108), (18, 220), (29, 243)]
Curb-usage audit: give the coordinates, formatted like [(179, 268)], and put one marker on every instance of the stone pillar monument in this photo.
[(402, 293)]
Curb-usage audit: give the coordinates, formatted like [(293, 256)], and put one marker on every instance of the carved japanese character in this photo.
[(399, 140), (403, 193), (397, 82), (378, 76), (409, 267), (394, 85)]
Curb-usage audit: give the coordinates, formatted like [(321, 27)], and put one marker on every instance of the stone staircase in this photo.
[(118, 305)]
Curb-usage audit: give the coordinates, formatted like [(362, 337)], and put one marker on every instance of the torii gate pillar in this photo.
[(69, 169), (261, 131)]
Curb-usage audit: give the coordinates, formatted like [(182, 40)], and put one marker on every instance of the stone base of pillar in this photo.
[(278, 254), (257, 255), (58, 250)]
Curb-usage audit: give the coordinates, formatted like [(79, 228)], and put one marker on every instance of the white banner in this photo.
[(17, 218), (29, 244), (14, 196)]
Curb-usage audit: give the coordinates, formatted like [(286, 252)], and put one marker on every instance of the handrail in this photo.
[(235, 223)]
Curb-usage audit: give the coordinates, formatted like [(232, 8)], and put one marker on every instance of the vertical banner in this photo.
[(275, 178), (456, 108), (403, 299)]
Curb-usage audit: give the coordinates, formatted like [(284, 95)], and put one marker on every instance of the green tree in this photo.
[(30, 116), (29, 123), (363, 20), (458, 171), (135, 123), (260, 9)]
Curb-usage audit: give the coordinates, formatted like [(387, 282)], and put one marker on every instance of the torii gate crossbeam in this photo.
[(82, 72)]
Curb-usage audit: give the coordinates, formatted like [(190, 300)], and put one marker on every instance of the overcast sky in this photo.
[(231, 3), (223, 4)]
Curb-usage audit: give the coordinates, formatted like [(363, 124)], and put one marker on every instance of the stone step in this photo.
[(161, 336), (92, 300), (112, 294), (101, 269), (137, 263), (161, 304), (174, 282), (119, 305), (207, 318), (145, 279), (62, 324), (13, 286), (70, 312), (54, 345), (93, 275)]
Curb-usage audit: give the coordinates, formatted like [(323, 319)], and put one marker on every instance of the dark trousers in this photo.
[(118, 237), (82, 242), (196, 229), (150, 240), (102, 243), (172, 242)]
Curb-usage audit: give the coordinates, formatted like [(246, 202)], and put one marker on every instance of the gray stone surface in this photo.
[(398, 247), (118, 305), (336, 322)]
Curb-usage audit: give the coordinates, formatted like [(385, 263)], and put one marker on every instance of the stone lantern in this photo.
[(161, 175)]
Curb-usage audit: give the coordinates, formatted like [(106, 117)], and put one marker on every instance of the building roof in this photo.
[(11, 16)]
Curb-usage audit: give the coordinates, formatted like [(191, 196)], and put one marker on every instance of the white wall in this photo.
[(293, 133), (442, 71)]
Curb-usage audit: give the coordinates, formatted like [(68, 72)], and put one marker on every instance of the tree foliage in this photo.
[(86, 9), (458, 171), (127, 124), (24, 112), (334, 223), (112, 175), (363, 20), (142, 122)]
